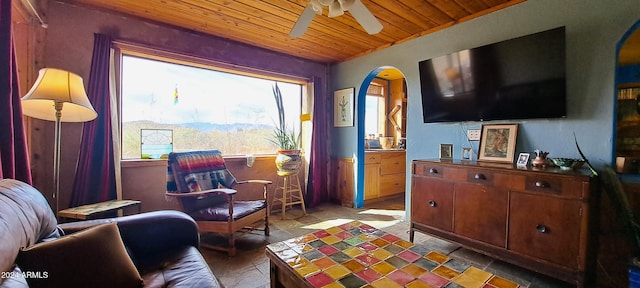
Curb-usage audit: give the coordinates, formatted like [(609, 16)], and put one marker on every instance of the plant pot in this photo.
[(288, 162)]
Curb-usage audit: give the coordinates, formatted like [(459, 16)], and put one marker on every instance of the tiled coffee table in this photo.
[(358, 255)]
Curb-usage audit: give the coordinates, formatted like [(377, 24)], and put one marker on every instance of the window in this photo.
[(375, 107), (204, 107)]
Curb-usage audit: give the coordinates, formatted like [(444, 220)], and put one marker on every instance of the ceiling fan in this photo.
[(336, 8)]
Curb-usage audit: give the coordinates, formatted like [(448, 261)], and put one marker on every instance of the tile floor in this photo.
[(250, 267)]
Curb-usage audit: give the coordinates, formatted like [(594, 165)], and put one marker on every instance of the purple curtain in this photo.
[(95, 175), (14, 156), (317, 189)]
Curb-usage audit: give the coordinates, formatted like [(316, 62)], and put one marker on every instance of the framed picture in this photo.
[(155, 143), (498, 142), (467, 154), (446, 151), (523, 160), (343, 107)]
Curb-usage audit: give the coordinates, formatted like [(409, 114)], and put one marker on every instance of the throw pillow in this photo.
[(95, 257)]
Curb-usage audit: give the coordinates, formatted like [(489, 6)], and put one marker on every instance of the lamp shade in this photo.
[(58, 86)]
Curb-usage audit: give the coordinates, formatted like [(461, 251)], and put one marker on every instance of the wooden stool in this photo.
[(288, 192)]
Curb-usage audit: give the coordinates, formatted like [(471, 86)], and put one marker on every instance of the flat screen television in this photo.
[(520, 78)]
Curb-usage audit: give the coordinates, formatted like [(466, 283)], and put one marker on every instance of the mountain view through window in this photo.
[(203, 108)]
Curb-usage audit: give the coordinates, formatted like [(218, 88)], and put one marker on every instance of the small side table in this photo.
[(288, 192), (93, 211)]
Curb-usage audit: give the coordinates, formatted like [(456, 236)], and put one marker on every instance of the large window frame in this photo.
[(124, 48)]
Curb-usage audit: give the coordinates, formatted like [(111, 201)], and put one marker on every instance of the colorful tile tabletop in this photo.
[(358, 255)]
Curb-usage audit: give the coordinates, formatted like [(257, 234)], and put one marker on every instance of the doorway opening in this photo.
[(381, 112)]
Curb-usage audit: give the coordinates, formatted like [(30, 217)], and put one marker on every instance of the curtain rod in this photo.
[(35, 12)]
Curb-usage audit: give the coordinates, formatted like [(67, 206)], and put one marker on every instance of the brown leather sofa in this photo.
[(162, 245)]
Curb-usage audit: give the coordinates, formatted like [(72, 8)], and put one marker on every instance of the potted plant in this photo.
[(612, 187), (288, 158)]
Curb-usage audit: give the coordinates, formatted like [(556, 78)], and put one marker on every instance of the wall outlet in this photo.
[(473, 134), (250, 160)]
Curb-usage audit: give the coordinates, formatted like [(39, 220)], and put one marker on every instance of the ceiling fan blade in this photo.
[(303, 22), (365, 18)]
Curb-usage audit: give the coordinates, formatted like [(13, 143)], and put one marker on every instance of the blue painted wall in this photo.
[(593, 29)]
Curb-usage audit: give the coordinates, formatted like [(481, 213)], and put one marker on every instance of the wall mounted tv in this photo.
[(520, 78)]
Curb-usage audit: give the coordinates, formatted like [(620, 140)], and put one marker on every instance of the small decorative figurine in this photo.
[(541, 159)]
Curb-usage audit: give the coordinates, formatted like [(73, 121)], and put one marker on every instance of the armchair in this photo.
[(203, 186)]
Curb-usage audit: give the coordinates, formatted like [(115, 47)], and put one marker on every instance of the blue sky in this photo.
[(204, 95)]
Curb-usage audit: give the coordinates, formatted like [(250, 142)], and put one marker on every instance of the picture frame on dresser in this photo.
[(446, 151), (523, 160), (467, 154), (498, 142)]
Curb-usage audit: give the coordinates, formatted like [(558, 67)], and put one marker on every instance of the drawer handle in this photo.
[(433, 171), (372, 158), (542, 228), (480, 176), (432, 203), (542, 184)]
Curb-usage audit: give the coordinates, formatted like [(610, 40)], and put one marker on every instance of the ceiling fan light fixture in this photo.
[(323, 2), (335, 9), (317, 7), (346, 4)]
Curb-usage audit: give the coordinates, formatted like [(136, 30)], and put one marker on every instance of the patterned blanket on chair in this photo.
[(197, 171)]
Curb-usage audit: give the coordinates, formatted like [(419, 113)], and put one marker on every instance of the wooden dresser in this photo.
[(539, 219)]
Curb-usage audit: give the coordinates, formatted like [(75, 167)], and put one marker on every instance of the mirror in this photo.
[(627, 149)]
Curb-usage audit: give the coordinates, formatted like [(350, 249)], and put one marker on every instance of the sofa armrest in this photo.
[(149, 237)]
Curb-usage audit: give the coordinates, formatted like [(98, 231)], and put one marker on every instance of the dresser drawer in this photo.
[(480, 176), (371, 158), (429, 169), (392, 184), (546, 228), (392, 165), (554, 185)]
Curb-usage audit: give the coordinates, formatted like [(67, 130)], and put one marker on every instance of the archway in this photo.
[(627, 102), (382, 72)]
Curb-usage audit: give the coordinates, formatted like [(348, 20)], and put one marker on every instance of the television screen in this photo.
[(520, 78)]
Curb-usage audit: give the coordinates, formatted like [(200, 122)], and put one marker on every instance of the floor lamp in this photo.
[(54, 92)]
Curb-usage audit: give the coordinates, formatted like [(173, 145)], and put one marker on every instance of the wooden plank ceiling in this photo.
[(266, 23)]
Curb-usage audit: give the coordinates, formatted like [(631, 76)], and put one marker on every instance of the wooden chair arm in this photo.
[(265, 182), (221, 191)]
